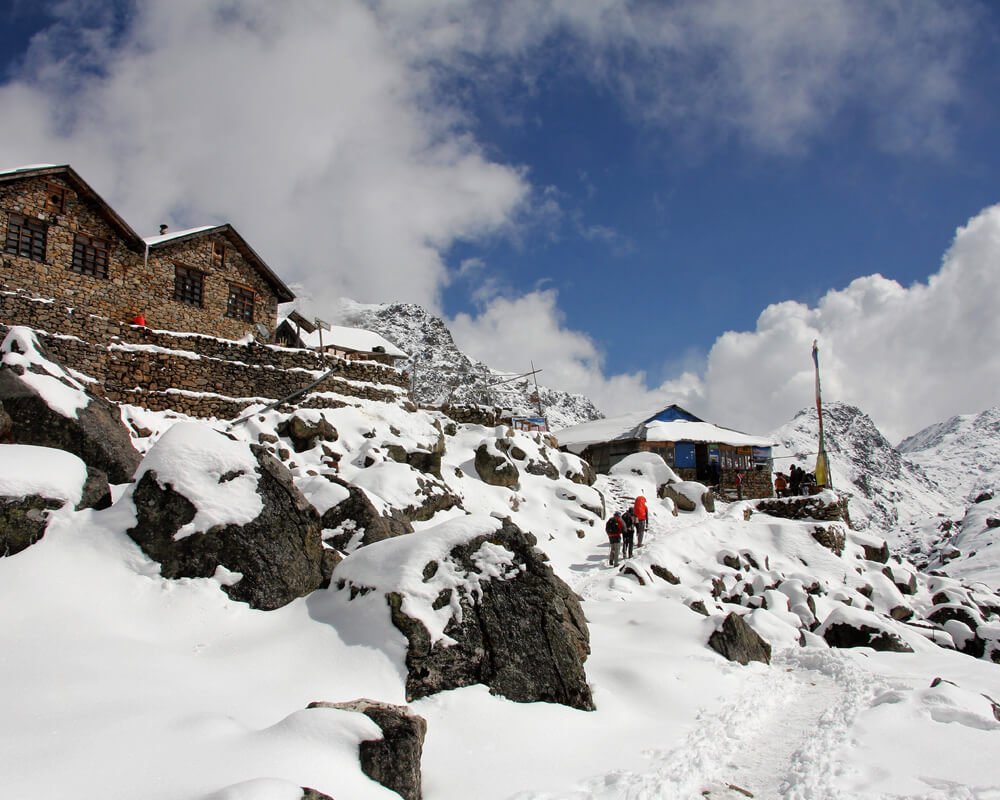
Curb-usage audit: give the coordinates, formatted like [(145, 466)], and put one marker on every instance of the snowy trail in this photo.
[(781, 737)]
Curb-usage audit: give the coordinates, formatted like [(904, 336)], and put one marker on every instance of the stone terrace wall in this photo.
[(193, 374)]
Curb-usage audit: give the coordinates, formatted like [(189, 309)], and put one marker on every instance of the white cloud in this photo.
[(298, 122), (909, 357)]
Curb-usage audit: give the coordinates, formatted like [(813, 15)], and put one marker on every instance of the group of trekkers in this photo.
[(624, 529), (797, 482)]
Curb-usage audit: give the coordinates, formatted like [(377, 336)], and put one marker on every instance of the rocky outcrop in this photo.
[(393, 760), (855, 628), (356, 515), (738, 642), (825, 507), (832, 537), (88, 426), (306, 432), (279, 554), (505, 619), (23, 521), (495, 468)]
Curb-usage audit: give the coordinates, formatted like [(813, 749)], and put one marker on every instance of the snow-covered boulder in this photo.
[(827, 506), (494, 466), (687, 496), (394, 759), (477, 603), (206, 505), (50, 407), (348, 517), (854, 627), (738, 642), (35, 481)]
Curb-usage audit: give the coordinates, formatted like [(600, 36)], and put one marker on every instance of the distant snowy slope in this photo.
[(962, 454), (888, 492), (444, 372)]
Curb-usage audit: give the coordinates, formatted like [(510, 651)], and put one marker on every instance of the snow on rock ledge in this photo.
[(203, 501), (477, 604)]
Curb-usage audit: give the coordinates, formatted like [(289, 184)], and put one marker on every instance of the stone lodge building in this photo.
[(61, 240)]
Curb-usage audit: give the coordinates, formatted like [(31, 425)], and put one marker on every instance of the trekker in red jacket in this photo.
[(641, 514)]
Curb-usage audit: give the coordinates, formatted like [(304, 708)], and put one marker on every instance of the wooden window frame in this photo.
[(241, 302), (55, 198), (90, 256), (189, 285), (26, 237)]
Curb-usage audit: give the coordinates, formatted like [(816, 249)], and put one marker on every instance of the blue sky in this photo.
[(655, 202)]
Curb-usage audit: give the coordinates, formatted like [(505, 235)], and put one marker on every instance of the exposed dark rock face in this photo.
[(738, 642), (814, 507), (393, 760), (681, 502), (426, 461), (842, 632), (96, 435), (832, 537), (312, 794), (305, 434), (522, 634), (23, 521), (495, 468), (280, 553), (357, 513), (586, 476), (434, 495)]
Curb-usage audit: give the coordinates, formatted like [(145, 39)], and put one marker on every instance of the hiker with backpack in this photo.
[(615, 528), (629, 534), (641, 514)]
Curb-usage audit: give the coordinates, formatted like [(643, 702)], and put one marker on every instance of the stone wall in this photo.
[(196, 375), (133, 281)]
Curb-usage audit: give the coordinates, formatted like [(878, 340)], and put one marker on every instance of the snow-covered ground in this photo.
[(119, 683)]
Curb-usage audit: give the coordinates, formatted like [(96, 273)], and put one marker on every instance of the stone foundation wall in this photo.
[(196, 375)]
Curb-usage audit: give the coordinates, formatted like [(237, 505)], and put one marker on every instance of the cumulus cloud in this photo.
[(336, 138), (298, 122), (908, 356)]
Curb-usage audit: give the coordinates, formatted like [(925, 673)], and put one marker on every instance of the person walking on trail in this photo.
[(780, 485), (628, 536), (795, 480), (615, 528), (739, 485), (641, 513)]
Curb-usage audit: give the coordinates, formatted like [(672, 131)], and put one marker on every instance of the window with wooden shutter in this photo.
[(90, 256), (55, 198), (189, 285), (26, 237), (240, 305)]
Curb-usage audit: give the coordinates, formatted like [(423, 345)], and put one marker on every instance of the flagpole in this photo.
[(823, 477)]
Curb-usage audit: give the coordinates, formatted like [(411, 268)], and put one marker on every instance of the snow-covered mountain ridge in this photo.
[(443, 373)]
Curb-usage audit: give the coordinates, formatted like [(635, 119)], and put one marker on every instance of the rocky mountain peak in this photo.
[(443, 373)]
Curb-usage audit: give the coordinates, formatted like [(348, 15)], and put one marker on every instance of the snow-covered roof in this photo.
[(643, 425), (152, 241), (357, 340), (27, 168)]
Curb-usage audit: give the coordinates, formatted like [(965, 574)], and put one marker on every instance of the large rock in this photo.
[(495, 467), (738, 642), (34, 481), (48, 407), (393, 760), (488, 609), (279, 553), (827, 506), (357, 515), (851, 627)]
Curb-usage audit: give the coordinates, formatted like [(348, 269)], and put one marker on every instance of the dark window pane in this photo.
[(90, 256), (240, 305), (188, 285), (25, 237)]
